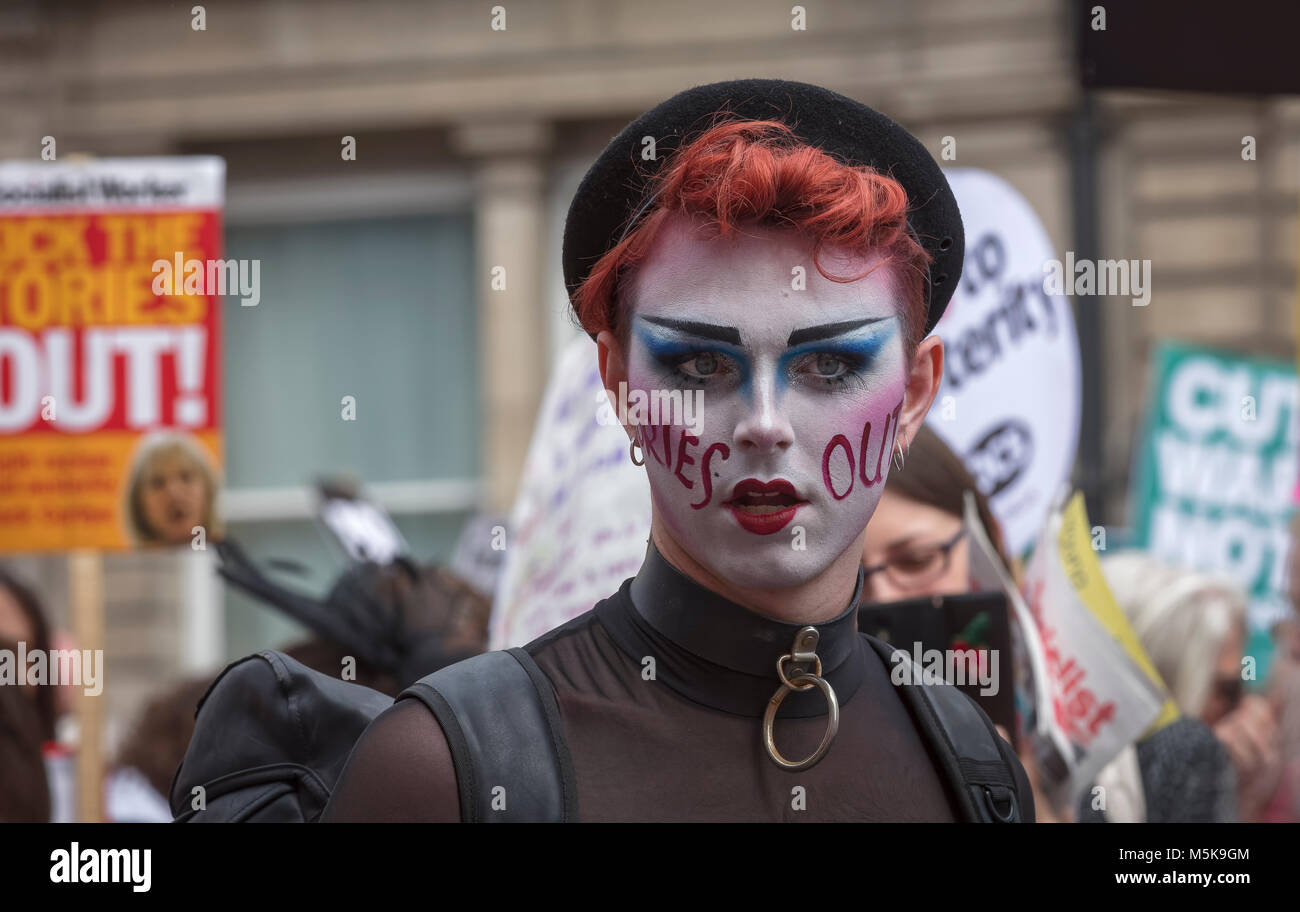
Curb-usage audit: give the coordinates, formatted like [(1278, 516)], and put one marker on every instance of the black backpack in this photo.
[(270, 739), (272, 736)]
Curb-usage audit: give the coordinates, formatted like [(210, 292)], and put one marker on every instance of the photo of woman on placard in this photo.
[(171, 492)]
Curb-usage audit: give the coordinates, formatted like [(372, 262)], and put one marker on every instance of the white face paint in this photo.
[(802, 394)]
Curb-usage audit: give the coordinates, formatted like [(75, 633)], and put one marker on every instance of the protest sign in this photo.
[(1009, 404), (987, 574), (581, 520), (1216, 462), (101, 349), (1104, 691)]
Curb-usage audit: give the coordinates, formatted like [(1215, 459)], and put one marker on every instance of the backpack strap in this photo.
[(502, 722), (961, 735)]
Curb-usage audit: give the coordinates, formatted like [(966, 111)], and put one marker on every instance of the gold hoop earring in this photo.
[(899, 456), (633, 447)]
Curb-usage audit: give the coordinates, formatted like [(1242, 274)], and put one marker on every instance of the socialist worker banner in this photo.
[(110, 411)]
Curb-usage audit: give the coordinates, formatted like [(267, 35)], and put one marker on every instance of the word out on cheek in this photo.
[(840, 442), (664, 455)]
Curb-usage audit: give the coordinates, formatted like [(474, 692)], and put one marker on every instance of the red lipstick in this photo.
[(764, 507)]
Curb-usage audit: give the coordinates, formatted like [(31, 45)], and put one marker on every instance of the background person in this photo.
[(916, 545), (916, 542), (24, 788), (27, 714), (1284, 692), (1193, 629), (23, 620)]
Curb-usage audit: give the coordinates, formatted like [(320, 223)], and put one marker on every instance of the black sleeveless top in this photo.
[(661, 689)]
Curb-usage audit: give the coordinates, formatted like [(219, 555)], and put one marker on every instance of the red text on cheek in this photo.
[(840, 442), (705, 477), (663, 454)]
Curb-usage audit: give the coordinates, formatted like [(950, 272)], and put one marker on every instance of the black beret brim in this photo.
[(615, 188)]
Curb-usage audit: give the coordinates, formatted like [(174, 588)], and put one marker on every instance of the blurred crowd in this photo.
[(380, 627)]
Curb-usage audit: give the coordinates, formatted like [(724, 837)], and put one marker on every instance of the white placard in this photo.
[(582, 517), (1009, 404)]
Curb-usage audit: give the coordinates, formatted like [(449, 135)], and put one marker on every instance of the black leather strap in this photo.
[(503, 727), (963, 739)]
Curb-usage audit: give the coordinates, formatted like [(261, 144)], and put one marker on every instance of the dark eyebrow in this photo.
[(827, 331), (703, 330)]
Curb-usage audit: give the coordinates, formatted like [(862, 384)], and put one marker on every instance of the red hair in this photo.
[(748, 172)]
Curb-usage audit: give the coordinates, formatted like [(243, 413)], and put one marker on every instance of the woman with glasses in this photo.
[(916, 542), (916, 545)]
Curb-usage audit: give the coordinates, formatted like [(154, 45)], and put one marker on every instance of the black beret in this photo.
[(613, 194)]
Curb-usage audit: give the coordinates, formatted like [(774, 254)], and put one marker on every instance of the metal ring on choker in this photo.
[(804, 652)]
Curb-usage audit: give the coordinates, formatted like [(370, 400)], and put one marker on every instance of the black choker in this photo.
[(723, 655)]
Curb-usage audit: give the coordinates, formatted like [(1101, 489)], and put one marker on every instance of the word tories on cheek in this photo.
[(659, 444)]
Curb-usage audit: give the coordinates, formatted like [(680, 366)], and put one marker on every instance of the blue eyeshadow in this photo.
[(861, 347), (668, 348)]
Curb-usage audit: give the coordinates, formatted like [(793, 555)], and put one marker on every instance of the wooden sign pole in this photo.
[(86, 590)]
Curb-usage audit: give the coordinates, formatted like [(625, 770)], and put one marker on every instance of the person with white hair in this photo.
[(1204, 766)]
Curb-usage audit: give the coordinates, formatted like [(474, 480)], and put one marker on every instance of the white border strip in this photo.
[(112, 184)]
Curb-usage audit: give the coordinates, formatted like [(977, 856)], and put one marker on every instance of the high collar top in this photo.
[(720, 654)]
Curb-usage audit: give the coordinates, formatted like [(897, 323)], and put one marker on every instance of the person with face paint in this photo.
[(776, 258)]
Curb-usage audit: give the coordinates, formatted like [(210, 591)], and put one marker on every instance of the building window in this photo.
[(377, 309)]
